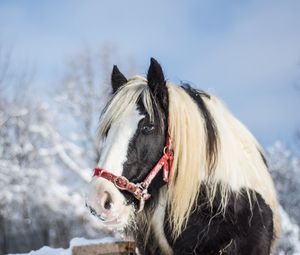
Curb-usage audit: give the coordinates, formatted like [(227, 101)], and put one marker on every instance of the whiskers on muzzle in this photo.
[(94, 213), (121, 219)]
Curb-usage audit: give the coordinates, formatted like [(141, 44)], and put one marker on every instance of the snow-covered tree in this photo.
[(47, 151), (285, 170), (289, 243), (41, 199), (84, 90)]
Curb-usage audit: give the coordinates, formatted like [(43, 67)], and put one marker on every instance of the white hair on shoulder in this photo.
[(238, 165)]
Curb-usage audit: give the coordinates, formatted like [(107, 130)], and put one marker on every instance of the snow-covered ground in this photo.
[(46, 250)]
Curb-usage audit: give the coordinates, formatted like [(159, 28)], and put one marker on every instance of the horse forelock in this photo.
[(123, 102)]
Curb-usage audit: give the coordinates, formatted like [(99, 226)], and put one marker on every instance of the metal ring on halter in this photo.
[(121, 179), (165, 149)]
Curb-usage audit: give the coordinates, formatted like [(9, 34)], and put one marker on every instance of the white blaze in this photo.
[(114, 148), (113, 154)]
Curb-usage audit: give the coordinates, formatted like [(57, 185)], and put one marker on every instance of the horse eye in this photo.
[(147, 129)]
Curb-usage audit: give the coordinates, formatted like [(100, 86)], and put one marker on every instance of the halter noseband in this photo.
[(140, 190)]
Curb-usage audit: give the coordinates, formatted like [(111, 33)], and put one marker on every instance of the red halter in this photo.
[(140, 190)]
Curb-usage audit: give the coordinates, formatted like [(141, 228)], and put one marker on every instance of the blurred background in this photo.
[(55, 63)]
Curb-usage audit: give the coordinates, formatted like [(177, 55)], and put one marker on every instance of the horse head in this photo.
[(133, 135)]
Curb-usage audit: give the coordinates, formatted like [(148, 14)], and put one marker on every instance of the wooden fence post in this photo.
[(118, 248)]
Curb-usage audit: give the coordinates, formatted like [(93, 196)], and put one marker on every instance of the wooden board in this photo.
[(117, 248)]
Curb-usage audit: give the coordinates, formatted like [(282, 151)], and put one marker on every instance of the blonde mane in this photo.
[(238, 162)]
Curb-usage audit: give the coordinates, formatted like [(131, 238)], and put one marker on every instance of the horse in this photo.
[(181, 172)]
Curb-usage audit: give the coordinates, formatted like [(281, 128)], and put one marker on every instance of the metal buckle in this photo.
[(140, 191), (119, 181), (142, 197)]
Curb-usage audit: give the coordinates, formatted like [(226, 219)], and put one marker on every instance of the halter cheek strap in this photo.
[(140, 190)]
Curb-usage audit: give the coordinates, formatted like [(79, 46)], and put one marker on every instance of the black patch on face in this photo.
[(144, 151), (239, 230), (210, 126)]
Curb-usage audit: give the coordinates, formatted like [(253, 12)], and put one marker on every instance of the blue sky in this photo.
[(245, 52)]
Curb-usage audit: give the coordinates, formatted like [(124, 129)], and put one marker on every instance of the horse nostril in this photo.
[(108, 202)]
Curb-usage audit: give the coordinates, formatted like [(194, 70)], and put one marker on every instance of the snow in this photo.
[(289, 242), (46, 250), (285, 170)]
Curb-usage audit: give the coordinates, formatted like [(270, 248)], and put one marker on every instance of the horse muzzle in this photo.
[(107, 203)]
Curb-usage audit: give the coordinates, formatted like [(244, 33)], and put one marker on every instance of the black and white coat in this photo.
[(220, 199)]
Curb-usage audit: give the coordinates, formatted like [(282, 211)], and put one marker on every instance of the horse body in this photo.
[(219, 198), (238, 231)]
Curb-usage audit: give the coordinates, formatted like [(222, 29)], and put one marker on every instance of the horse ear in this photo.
[(155, 76), (117, 79), (157, 83)]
